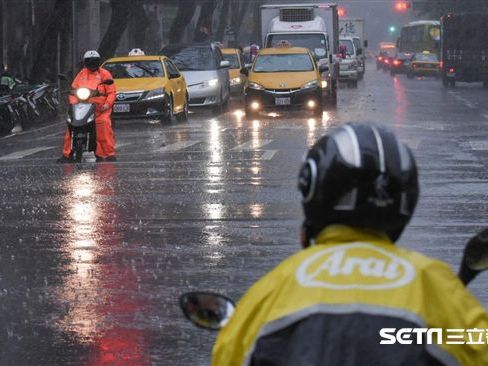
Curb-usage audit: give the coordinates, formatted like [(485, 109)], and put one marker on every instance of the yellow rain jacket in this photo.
[(326, 305)]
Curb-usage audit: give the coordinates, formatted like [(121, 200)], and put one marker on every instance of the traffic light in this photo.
[(392, 29), (402, 5), (341, 12)]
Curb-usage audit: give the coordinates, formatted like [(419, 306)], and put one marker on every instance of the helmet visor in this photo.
[(93, 63)]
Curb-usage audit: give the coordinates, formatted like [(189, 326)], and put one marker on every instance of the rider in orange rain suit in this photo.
[(91, 76)]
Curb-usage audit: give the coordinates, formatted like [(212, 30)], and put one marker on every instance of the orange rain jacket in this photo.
[(105, 136)]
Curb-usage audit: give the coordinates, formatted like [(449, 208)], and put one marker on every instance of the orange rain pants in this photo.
[(103, 123)]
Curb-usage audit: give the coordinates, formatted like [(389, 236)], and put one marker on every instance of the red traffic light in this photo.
[(402, 5), (341, 12)]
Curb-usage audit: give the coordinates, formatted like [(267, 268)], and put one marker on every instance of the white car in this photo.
[(205, 71), (349, 66)]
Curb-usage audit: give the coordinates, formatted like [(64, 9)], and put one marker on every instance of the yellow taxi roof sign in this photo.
[(283, 44)]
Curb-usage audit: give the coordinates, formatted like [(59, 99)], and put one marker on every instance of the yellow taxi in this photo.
[(284, 77), (148, 87), (424, 64), (237, 80)]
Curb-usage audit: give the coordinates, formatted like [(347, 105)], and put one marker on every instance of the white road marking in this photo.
[(269, 154), (122, 144), (178, 146), (479, 145), (485, 115), (412, 143), (252, 145), (463, 100), (23, 153)]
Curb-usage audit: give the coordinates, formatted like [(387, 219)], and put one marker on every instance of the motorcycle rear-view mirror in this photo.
[(108, 82), (206, 309), (475, 258)]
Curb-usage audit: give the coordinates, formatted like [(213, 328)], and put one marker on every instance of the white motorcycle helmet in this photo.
[(92, 60), (136, 52)]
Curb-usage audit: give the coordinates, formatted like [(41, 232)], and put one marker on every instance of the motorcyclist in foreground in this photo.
[(326, 304), (91, 77)]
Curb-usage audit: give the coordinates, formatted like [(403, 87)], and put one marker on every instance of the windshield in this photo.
[(283, 63), (191, 58), (233, 59), (135, 69), (424, 57), (349, 46), (316, 43)]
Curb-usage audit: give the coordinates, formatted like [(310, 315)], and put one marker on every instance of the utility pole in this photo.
[(74, 46), (3, 33)]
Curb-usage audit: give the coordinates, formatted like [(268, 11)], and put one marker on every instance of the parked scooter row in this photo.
[(27, 105)]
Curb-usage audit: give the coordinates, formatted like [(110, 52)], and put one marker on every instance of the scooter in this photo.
[(81, 121), (213, 311)]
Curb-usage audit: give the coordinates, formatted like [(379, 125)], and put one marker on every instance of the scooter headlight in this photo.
[(83, 93)]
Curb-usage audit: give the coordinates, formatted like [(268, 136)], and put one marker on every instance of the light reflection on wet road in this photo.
[(93, 257)]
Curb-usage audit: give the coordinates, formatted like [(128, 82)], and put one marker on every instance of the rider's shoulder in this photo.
[(105, 72)]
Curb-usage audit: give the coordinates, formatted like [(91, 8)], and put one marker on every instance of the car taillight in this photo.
[(396, 62), (452, 69), (380, 58), (387, 62)]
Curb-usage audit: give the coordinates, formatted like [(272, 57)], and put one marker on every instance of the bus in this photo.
[(420, 36)]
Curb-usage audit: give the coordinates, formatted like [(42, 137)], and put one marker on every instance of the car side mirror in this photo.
[(108, 82), (359, 51), (206, 309), (224, 64), (245, 71), (365, 43), (323, 68), (475, 258)]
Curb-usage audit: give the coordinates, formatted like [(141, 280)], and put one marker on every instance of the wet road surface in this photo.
[(94, 256)]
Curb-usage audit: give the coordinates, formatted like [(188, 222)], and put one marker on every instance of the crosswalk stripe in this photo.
[(479, 145), (252, 145), (23, 153), (178, 146), (118, 145), (269, 154)]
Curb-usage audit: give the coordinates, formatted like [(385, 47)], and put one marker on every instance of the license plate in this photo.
[(283, 101), (121, 108)]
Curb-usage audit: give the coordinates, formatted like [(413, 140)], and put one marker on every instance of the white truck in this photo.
[(354, 28), (314, 26)]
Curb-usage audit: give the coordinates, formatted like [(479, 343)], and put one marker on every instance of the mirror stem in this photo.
[(466, 275)]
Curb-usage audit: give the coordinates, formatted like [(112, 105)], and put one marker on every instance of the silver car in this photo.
[(205, 71)]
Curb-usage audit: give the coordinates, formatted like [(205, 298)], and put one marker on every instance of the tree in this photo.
[(186, 10), (122, 12), (203, 29), (46, 54), (239, 12), (223, 20)]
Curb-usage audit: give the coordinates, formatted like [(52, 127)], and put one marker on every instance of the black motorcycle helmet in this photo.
[(92, 60), (359, 175)]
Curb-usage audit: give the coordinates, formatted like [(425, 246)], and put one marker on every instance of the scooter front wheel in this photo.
[(78, 150)]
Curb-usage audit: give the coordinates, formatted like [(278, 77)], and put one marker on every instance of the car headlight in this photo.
[(255, 86), (310, 84), (235, 81), (83, 93), (324, 84), (155, 94), (209, 83)]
